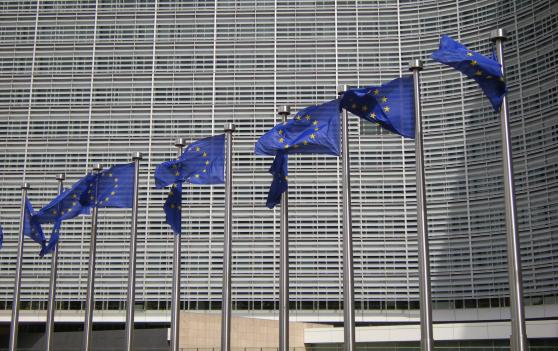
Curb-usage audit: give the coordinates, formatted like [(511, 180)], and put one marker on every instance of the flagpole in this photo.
[(348, 274), (518, 341), (284, 112), (17, 284), (427, 338), (53, 275), (176, 260), (132, 271), (226, 304), (89, 305)]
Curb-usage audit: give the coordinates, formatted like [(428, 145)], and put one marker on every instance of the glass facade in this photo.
[(95, 81)]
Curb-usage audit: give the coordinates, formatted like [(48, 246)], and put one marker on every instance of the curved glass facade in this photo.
[(85, 82)]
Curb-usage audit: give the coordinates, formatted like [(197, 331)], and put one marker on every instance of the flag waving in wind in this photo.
[(313, 130), (487, 72), (203, 162), (391, 105)]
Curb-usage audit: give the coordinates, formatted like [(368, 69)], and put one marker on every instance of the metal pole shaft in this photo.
[(52, 286), (227, 256), (348, 274), (427, 337), (284, 262), (133, 247), (90, 302), (518, 341), (17, 284), (176, 261)]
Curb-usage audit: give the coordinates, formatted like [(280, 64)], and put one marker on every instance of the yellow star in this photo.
[(354, 106), (469, 54), (204, 154), (197, 148), (364, 108), (312, 136), (281, 140), (113, 193), (386, 108), (106, 198), (315, 123), (110, 174), (177, 173), (488, 77), (115, 186), (74, 203), (280, 131), (316, 129), (171, 205), (61, 212), (74, 196), (298, 118), (478, 73), (115, 179), (373, 115), (174, 166), (376, 92), (197, 175), (305, 142), (308, 117), (286, 146), (205, 170), (384, 99), (91, 198), (53, 212), (207, 162), (474, 63)]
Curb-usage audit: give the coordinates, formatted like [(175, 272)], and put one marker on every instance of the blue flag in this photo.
[(203, 162), (391, 105), (31, 226), (487, 72), (69, 204), (280, 170), (173, 208), (1, 236), (116, 186), (313, 130)]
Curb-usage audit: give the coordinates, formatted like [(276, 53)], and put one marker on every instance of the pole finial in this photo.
[(498, 34), (97, 167), (60, 177), (230, 127), (342, 88), (284, 110), (137, 156), (180, 142), (25, 186), (416, 65)]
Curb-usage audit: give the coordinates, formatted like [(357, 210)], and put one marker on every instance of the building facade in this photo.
[(95, 81)]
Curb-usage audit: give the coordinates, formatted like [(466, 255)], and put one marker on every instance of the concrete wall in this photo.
[(203, 330)]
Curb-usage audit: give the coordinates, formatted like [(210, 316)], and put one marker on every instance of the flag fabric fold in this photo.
[(487, 72), (313, 130), (280, 170), (31, 226), (173, 208), (203, 162), (391, 105)]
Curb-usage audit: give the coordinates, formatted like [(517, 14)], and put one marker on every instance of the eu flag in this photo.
[(173, 208), (116, 186), (31, 226), (203, 162), (313, 130), (67, 205), (391, 105), (487, 72), (280, 170)]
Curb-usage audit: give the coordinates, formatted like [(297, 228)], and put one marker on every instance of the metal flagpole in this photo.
[(132, 271), (53, 275), (518, 341), (17, 284), (176, 260), (284, 111), (426, 333), (348, 274), (89, 305), (226, 304)]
